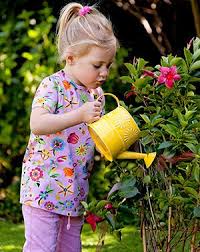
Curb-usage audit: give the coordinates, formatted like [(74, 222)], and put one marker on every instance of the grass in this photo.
[(12, 239)]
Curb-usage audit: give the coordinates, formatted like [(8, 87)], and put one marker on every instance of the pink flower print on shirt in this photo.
[(36, 174), (49, 205), (62, 159), (73, 138)]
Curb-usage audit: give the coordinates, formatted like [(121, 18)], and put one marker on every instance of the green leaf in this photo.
[(196, 172), (181, 118), (33, 33), (188, 56), (27, 55), (128, 192), (195, 66), (127, 79), (164, 145), (175, 61), (132, 70), (192, 147), (145, 118), (110, 219), (192, 192), (196, 55), (147, 179), (196, 44), (141, 83), (101, 204), (85, 205), (141, 63), (196, 212), (171, 129)]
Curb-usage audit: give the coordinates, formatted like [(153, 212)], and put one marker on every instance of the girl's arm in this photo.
[(42, 122)]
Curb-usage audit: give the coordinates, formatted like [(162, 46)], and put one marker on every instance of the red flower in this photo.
[(130, 92), (184, 156), (168, 75), (148, 73), (108, 206), (161, 164), (93, 219)]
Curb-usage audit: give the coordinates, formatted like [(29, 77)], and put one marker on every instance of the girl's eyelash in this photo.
[(96, 66)]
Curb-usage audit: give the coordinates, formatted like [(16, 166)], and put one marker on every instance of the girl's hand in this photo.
[(90, 111)]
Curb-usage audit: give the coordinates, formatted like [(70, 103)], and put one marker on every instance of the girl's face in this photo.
[(91, 70)]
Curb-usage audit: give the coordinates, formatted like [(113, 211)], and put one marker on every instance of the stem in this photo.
[(143, 233), (184, 240), (144, 237), (169, 220), (196, 9), (194, 232)]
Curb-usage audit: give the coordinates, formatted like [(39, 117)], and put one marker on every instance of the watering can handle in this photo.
[(115, 97)]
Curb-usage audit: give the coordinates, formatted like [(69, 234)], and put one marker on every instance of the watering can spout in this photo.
[(148, 158)]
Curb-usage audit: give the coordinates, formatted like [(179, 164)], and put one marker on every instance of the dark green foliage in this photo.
[(28, 54)]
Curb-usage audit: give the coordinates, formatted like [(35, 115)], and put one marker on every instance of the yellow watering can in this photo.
[(115, 132)]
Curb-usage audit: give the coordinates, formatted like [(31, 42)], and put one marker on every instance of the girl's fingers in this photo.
[(97, 104), (96, 118)]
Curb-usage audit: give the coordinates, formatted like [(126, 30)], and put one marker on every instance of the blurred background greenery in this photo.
[(145, 28)]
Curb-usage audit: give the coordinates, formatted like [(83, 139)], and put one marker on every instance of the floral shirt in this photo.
[(55, 166)]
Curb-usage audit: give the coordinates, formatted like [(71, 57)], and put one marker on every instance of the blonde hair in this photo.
[(80, 32)]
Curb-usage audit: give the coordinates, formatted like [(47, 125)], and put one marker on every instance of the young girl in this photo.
[(60, 151)]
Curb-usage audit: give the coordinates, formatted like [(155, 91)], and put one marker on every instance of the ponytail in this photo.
[(81, 27)]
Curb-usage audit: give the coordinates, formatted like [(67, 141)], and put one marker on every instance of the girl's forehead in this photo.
[(102, 54)]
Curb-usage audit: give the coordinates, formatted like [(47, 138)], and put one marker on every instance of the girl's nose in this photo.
[(104, 72)]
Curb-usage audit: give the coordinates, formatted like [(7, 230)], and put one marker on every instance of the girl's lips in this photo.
[(100, 82)]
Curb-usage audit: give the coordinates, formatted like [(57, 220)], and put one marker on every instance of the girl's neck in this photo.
[(69, 74)]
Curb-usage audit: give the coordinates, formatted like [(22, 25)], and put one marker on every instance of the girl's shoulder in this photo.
[(54, 77)]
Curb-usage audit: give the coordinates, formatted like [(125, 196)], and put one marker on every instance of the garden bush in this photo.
[(164, 200)]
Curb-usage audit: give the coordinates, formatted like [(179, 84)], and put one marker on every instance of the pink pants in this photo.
[(47, 232)]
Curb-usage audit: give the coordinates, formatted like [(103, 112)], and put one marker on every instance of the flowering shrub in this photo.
[(165, 198)]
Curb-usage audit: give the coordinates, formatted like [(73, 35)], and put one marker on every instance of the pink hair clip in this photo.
[(85, 10)]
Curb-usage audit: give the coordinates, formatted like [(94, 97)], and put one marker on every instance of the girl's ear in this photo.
[(70, 58)]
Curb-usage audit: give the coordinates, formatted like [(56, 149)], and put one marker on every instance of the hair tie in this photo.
[(85, 10)]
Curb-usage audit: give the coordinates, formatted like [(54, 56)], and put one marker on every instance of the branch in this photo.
[(196, 14)]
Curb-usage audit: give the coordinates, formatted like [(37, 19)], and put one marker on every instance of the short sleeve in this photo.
[(100, 93), (46, 95)]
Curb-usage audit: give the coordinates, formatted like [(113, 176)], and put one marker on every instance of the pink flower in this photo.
[(168, 75), (108, 206)]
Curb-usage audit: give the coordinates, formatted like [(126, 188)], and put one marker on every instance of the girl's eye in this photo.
[(96, 66)]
